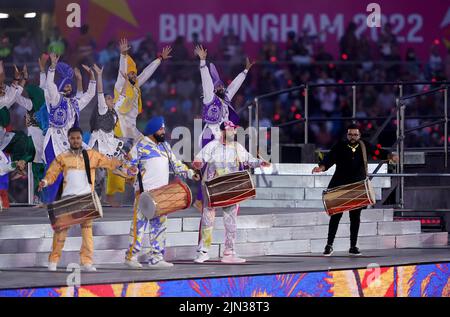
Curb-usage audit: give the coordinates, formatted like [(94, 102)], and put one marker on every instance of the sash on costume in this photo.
[(60, 115)]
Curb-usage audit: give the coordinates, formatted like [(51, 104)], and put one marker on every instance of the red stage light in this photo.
[(276, 117), (436, 42), (173, 109), (340, 81), (298, 116), (379, 145), (344, 56), (377, 152), (293, 108), (273, 59)]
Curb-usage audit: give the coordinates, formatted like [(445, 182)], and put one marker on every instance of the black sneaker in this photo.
[(354, 251), (328, 250)]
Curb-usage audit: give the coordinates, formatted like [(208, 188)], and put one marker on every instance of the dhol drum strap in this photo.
[(141, 185), (87, 166)]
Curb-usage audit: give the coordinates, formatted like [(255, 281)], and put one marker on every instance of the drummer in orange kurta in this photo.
[(71, 164)]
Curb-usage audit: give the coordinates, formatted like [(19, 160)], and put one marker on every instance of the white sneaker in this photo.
[(201, 257), (160, 265), (52, 266), (88, 268), (134, 264), (232, 259)]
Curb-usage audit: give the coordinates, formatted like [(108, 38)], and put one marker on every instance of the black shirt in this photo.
[(349, 165)]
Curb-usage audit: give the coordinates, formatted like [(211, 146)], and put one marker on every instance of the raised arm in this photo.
[(90, 92), (150, 69), (124, 47), (102, 106), (10, 92), (24, 102), (207, 83), (123, 94), (237, 82), (42, 61), (52, 94), (10, 96), (79, 80)]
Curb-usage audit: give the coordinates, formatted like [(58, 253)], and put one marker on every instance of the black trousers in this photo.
[(355, 220)]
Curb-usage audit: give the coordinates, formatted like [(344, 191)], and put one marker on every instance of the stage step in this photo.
[(279, 232), (316, 181)]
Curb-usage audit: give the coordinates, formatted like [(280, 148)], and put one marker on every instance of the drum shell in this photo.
[(166, 199), (74, 210), (229, 189), (348, 197)]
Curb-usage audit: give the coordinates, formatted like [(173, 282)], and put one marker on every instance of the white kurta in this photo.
[(208, 96), (12, 95), (106, 142), (38, 140), (58, 136), (5, 164), (127, 119)]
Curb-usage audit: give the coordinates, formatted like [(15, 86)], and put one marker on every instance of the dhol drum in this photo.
[(165, 200), (348, 197), (74, 210), (229, 189)]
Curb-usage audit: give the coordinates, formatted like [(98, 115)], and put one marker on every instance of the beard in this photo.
[(159, 137), (221, 93), (75, 147)]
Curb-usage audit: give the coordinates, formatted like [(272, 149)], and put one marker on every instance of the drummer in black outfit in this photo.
[(350, 168)]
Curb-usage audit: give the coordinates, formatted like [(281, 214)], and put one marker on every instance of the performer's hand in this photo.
[(54, 59), (196, 177), (43, 61), (201, 52), (165, 54), (249, 64), (77, 73), (133, 170), (25, 72), (197, 165), (394, 158), (124, 47), (41, 186), (21, 164), (17, 75), (318, 169), (97, 69), (265, 164), (89, 70)]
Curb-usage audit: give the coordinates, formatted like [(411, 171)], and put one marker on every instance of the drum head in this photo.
[(147, 205), (97, 203)]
